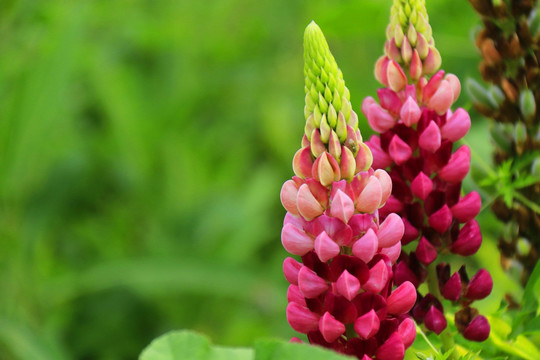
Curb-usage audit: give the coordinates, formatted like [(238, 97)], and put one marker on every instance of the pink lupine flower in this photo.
[(416, 145), (345, 278)]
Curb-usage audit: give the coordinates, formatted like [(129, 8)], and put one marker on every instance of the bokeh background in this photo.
[(143, 145)]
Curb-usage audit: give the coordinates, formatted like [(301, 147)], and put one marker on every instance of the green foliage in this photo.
[(187, 345)]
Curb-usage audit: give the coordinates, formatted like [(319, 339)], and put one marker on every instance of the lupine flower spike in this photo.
[(342, 293), (418, 130), (509, 43)]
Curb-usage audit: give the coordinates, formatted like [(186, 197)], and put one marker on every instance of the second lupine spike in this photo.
[(418, 130), (341, 292)]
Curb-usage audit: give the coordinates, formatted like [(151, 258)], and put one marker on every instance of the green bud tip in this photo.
[(406, 15), (324, 83)]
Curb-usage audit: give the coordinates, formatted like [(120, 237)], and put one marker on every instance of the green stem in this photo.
[(534, 207), (433, 286)]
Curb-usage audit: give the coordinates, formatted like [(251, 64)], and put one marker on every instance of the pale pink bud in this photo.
[(389, 100), (390, 231), (392, 51), (368, 101), (392, 349), (330, 328), (432, 85), (326, 169), (319, 191), (310, 284), (334, 145), (290, 269), (342, 207), (348, 163), (302, 163), (325, 247), (392, 252), (288, 196), (386, 184), (458, 165), (301, 318), (399, 151), (381, 160), (369, 199), (425, 252), (410, 112), (317, 146), (469, 239), (452, 289), (307, 204), (467, 208), (421, 186), (456, 85), (378, 277), (381, 67), (367, 325), (430, 139), (442, 99), (295, 295), (406, 51), (477, 330), (456, 126), (379, 119), (364, 158), (480, 285), (433, 61), (396, 76), (348, 285), (421, 45), (416, 67), (402, 299), (407, 331), (294, 339), (441, 219), (366, 247), (435, 320), (295, 241)]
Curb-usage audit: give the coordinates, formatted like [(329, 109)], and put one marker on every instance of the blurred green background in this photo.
[(143, 145)]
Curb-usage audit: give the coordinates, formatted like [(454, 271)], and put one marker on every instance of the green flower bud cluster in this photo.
[(408, 17), (328, 106)]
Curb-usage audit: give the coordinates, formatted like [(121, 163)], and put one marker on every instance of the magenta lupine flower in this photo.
[(417, 131), (342, 292)]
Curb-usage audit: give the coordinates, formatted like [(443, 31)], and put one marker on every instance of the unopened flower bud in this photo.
[(302, 163), (469, 239), (435, 320), (290, 269), (442, 99), (348, 285), (433, 61), (407, 331), (326, 169), (415, 68), (295, 295), (370, 198), (402, 299), (441, 219), (342, 207), (399, 151), (364, 158), (425, 251), (366, 247), (468, 207), (367, 325), (410, 112), (458, 165), (289, 190), (480, 285), (325, 247), (379, 119), (451, 290), (381, 67), (301, 318), (430, 139), (396, 77), (310, 284), (307, 204), (391, 349), (478, 329), (456, 126), (390, 231), (296, 241), (330, 328), (378, 277), (421, 186), (392, 252), (455, 84)]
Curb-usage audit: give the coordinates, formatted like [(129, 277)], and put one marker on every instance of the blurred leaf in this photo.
[(281, 350)]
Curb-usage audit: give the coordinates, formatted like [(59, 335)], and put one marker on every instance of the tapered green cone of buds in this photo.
[(409, 41)]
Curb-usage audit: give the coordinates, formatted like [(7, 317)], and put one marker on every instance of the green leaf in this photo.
[(188, 345), (280, 350)]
